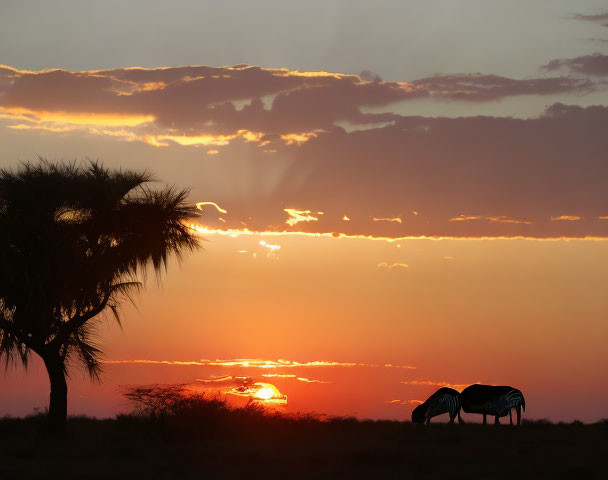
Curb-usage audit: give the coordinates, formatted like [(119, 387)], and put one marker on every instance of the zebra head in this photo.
[(419, 414)]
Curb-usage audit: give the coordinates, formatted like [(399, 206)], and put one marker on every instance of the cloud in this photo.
[(200, 206), (501, 219), (295, 377), (566, 218), (251, 363), (213, 106), (392, 265), (597, 18), (196, 104), (407, 403), (224, 379), (386, 219), (369, 76), (297, 216), (455, 386), (483, 88), (595, 64), (512, 175), (465, 177)]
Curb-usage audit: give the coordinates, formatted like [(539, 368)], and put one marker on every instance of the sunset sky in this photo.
[(393, 196)]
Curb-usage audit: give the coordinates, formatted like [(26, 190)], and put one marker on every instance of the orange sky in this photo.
[(527, 313)]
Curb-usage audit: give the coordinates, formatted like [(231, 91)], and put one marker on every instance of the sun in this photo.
[(265, 393)]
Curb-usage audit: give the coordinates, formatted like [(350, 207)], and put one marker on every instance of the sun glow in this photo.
[(200, 206), (269, 246), (566, 218), (237, 232), (265, 393), (297, 216), (394, 219), (72, 118), (500, 219)]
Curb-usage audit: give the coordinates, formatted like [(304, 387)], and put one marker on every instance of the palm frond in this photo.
[(74, 241)]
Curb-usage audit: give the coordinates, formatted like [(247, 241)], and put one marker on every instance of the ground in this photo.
[(135, 447)]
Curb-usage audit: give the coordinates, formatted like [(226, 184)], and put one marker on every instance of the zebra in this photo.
[(493, 400), (444, 400)]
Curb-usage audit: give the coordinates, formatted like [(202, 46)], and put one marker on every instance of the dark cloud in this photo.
[(476, 176), (482, 88), (201, 100), (369, 76), (601, 18), (278, 130), (595, 64)]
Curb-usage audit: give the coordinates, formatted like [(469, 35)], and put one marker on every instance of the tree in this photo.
[(74, 242)]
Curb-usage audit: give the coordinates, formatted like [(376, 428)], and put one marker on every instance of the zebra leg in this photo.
[(460, 420), (518, 410), (510, 416), (428, 420), (484, 419), (452, 417), (496, 420)]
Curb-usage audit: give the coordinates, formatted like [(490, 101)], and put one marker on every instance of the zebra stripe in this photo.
[(444, 400), (493, 400)]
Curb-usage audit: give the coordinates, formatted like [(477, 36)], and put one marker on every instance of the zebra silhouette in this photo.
[(493, 400), (444, 400)]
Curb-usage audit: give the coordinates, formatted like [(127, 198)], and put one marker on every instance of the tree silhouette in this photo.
[(74, 242)]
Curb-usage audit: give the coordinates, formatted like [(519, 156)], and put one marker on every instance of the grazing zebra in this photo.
[(493, 400), (444, 400)]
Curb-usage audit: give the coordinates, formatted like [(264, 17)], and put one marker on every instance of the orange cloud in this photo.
[(455, 386), (393, 265), (237, 232), (253, 363), (297, 138), (77, 118), (394, 219), (566, 218), (200, 206), (299, 379), (403, 402), (297, 216), (500, 219)]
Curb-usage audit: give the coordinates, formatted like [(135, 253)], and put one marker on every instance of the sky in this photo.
[(393, 196)]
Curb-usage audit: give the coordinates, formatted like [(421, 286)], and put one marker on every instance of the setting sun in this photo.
[(267, 391)]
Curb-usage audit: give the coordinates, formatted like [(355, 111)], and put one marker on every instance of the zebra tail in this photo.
[(523, 403)]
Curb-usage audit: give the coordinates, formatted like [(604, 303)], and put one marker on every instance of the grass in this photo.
[(187, 437)]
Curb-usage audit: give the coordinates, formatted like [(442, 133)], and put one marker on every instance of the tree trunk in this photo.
[(58, 403)]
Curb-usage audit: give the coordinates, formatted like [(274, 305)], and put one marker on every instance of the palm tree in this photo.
[(74, 242)]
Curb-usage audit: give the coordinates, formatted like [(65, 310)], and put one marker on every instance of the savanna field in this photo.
[(203, 438)]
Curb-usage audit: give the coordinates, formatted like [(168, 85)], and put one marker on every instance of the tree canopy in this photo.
[(74, 242)]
